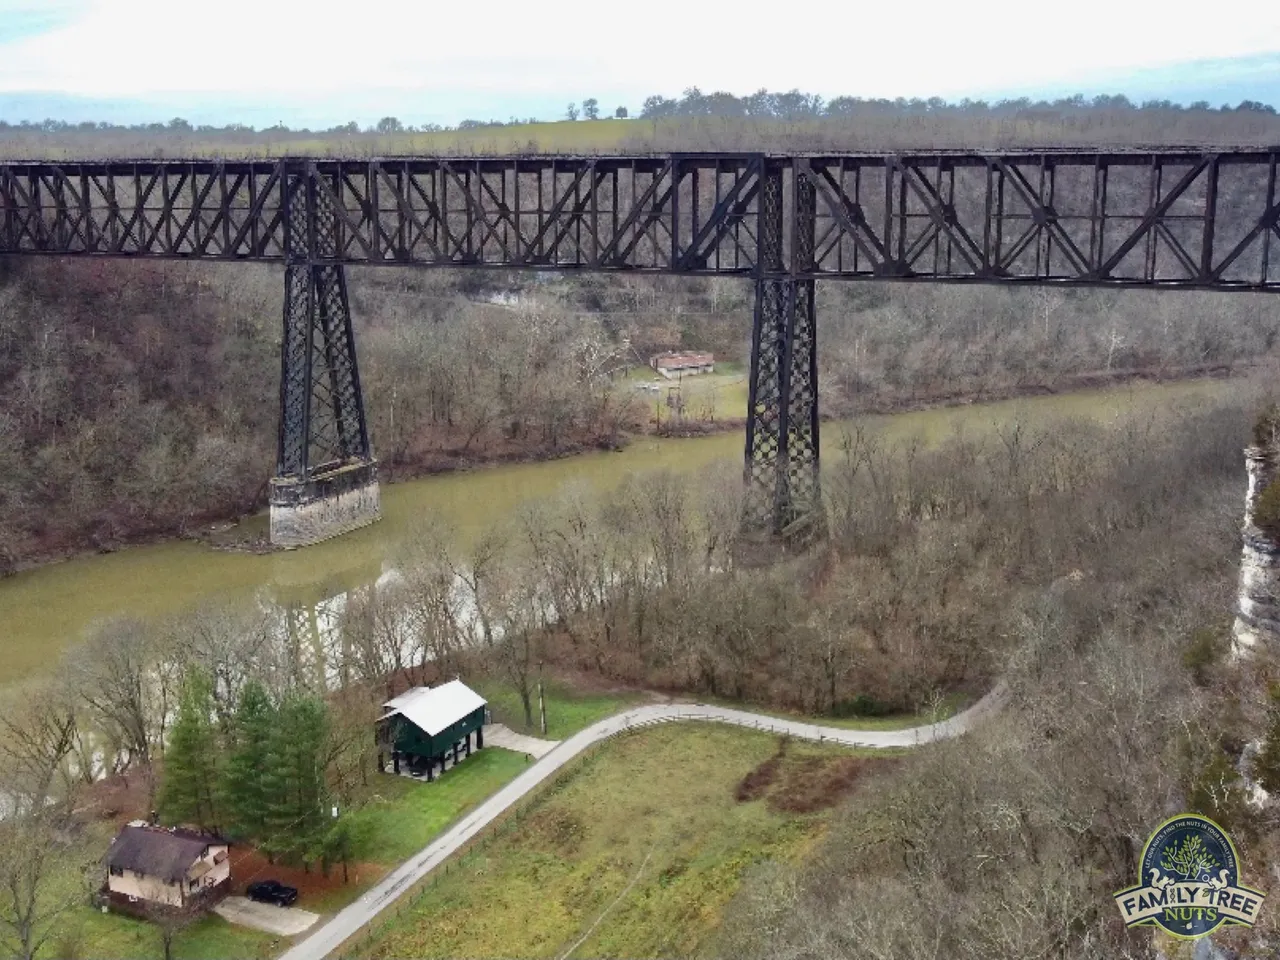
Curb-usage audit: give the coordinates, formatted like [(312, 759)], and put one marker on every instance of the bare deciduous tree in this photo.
[(37, 735), (115, 674), (37, 863)]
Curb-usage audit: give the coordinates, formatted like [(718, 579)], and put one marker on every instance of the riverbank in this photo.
[(882, 404), (220, 531), (49, 608)]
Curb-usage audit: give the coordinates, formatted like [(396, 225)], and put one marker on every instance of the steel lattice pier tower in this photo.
[(326, 480), (1176, 218), (781, 473)]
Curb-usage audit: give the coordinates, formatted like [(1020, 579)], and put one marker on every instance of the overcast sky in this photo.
[(318, 62)]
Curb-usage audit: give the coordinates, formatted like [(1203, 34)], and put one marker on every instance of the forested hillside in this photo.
[(139, 399)]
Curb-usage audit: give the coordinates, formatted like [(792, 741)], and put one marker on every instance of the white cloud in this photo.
[(304, 51)]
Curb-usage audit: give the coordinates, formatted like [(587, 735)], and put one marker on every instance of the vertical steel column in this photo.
[(296, 344), (764, 436), (322, 418), (803, 511), (781, 470)]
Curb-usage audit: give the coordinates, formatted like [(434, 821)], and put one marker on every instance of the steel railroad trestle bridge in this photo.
[(1169, 219)]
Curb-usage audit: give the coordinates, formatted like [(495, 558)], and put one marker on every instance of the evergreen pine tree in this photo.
[(189, 792), (244, 786), (297, 799)]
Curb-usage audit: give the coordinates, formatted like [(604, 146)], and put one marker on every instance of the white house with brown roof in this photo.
[(148, 865), (686, 364)]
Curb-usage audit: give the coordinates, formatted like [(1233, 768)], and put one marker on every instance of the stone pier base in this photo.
[(1258, 602), (327, 505)]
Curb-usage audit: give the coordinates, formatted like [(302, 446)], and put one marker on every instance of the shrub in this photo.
[(863, 705), (1266, 512), (1201, 652), (1267, 426)]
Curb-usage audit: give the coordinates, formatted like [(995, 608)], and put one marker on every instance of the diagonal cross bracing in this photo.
[(1192, 218)]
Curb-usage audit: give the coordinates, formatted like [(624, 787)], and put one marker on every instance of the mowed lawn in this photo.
[(568, 711), (401, 816), (708, 398), (92, 934), (650, 835)]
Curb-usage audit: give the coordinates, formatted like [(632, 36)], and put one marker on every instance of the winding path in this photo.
[(328, 938)]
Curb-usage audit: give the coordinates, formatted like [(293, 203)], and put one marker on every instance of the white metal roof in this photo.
[(411, 694), (434, 709)]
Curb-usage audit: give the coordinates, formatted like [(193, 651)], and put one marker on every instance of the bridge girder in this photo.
[(1168, 219)]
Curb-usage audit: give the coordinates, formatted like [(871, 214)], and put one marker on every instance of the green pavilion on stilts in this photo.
[(429, 726)]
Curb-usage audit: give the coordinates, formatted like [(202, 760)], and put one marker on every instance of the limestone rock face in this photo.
[(1258, 603)]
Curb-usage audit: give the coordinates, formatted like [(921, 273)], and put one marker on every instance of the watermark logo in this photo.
[(1192, 882)]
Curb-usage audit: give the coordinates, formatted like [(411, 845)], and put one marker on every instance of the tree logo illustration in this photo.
[(1191, 861), (1189, 882)]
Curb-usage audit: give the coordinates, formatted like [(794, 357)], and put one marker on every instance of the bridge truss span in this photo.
[(1166, 219), (1171, 218)]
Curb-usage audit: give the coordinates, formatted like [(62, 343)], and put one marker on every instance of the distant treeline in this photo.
[(762, 104), (797, 106)]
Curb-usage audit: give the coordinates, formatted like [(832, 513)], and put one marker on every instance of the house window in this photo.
[(117, 871), (192, 884)]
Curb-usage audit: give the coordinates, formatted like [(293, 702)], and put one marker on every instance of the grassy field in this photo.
[(650, 835), (401, 816), (567, 710), (124, 938), (714, 397), (561, 137)]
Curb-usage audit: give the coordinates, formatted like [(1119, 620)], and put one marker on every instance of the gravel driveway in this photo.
[(282, 921)]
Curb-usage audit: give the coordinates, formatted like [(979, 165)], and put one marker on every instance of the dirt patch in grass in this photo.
[(249, 866), (805, 783), (757, 783), (808, 784)]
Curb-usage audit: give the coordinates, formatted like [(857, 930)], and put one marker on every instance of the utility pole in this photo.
[(542, 706)]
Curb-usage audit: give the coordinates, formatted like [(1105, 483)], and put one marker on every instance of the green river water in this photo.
[(44, 610)]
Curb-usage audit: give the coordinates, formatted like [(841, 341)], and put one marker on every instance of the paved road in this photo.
[(347, 922)]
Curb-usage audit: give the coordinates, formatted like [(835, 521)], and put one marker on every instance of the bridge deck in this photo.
[(1167, 218)]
